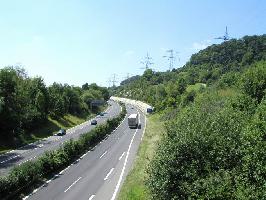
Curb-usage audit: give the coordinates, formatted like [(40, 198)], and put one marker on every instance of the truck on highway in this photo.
[(133, 120)]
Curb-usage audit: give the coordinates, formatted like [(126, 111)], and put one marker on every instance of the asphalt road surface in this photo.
[(32, 151), (98, 174)]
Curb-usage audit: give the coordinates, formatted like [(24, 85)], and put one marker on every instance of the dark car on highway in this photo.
[(93, 122), (101, 114), (61, 132)]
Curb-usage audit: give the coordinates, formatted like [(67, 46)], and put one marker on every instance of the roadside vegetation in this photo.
[(31, 174), (28, 107), (214, 113), (134, 187)]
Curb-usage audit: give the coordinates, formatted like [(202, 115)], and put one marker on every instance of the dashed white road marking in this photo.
[(72, 184), (83, 155), (92, 196), (9, 159), (103, 154), (109, 173), (122, 156)]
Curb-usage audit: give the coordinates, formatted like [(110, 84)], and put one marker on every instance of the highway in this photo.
[(98, 174), (32, 151)]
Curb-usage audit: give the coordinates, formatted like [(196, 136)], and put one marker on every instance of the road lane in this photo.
[(32, 151), (100, 169)]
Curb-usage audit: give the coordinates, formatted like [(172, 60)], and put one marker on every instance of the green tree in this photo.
[(253, 81)]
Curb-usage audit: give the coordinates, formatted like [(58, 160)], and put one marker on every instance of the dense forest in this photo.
[(26, 103), (214, 109)]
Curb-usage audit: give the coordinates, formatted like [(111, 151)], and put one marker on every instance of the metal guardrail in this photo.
[(139, 104)]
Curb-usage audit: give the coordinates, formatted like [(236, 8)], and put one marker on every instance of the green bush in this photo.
[(203, 156), (253, 82)]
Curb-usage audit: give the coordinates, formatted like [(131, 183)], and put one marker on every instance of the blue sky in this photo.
[(79, 41)]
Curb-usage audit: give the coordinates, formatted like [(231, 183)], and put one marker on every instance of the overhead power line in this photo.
[(171, 57), (146, 61)]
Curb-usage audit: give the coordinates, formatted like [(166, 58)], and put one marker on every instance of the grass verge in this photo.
[(134, 187)]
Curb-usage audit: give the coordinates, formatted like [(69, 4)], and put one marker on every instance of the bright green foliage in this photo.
[(206, 153), (220, 65), (254, 81), (215, 143), (26, 103)]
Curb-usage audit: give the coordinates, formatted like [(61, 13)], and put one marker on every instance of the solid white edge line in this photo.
[(109, 173), (123, 169), (103, 154), (73, 184), (92, 196)]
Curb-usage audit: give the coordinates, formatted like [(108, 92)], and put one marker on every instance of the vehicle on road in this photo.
[(101, 114), (133, 121), (149, 110), (93, 122), (61, 132)]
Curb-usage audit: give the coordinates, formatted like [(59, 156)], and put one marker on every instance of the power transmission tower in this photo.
[(147, 62), (127, 76), (171, 57), (225, 37), (114, 80), (109, 82)]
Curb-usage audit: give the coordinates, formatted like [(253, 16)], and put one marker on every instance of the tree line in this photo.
[(26, 102)]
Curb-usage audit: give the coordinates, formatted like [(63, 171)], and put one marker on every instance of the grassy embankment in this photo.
[(134, 187), (47, 129)]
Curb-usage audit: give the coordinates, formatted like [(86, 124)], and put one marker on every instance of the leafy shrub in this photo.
[(253, 82), (201, 155)]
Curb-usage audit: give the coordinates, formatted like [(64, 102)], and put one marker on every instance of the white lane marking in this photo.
[(144, 128), (122, 156), (109, 173), (124, 167), (72, 184), (25, 197), (9, 159), (103, 154), (92, 196), (83, 155)]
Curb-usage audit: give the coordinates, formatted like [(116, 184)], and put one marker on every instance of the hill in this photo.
[(214, 110)]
